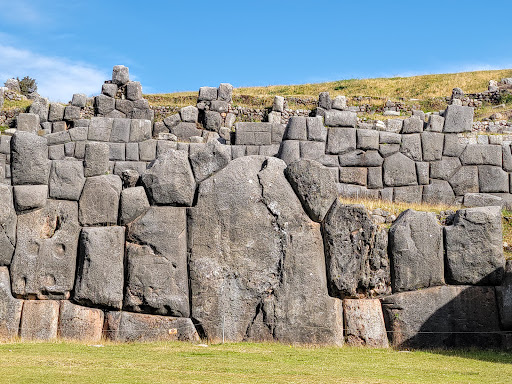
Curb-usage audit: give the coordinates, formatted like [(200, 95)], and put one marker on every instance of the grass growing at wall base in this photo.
[(173, 362)]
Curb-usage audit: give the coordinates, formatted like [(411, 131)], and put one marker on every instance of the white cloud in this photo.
[(57, 78)]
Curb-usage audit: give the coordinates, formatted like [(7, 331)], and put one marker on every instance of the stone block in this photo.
[(117, 151), (58, 138), (56, 152), (189, 114), (100, 129), (40, 107), (140, 130), (412, 125), (66, 180), (353, 175), (458, 119), (492, 179), (465, 180), (359, 158), (278, 104), (296, 129), (100, 276), (40, 320), (10, 308), (164, 146), (440, 317), (121, 166), (253, 133), (432, 144), (453, 145), (207, 94), (172, 121), (435, 123), (411, 146), (71, 113), (58, 126), (184, 131), (474, 247), (212, 121), (120, 132), (335, 118), (339, 102), (273, 117), (29, 159), (80, 149), (156, 257), (375, 178), (8, 222), (109, 89), (78, 133), (206, 159), (133, 204), (96, 159), (136, 327), (388, 149), (422, 171), (445, 168), (316, 131), (99, 201), (389, 137), (104, 104), (367, 139), (438, 191), (133, 91), (364, 323), (277, 133), (120, 75), (79, 100), (5, 144), (504, 297), (80, 323), (410, 194), (147, 150), (482, 200), (237, 151), (27, 122), (324, 100), (314, 185), (341, 140), (27, 197), (56, 112), (290, 151), (225, 92), (311, 150), (44, 261), (219, 106), (399, 170), (394, 125)]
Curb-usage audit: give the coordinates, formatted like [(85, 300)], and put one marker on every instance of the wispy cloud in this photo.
[(57, 78), (19, 11)]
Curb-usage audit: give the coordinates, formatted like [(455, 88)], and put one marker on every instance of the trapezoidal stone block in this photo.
[(44, 261), (99, 201), (40, 320), (80, 323), (364, 323), (129, 327)]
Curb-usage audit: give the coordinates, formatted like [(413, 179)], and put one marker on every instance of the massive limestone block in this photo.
[(440, 317), (438, 191), (80, 323), (432, 145), (96, 159), (335, 118), (399, 170), (458, 119), (416, 251), (206, 159), (8, 222), (10, 308), (411, 146), (492, 179), (445, 168), (157, 277), (129, 327), (256, 260), (28, 197), (364, 323), (169, 180), (45, 257), (465, 180), (66, 179), (100, 275), (474, 247), (134, 203), (315, 186), (341, 140), (28, 122), (355, 252), (99, 202), (29, 159), (40, 320)]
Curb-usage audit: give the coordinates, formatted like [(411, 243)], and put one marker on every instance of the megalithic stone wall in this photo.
[(114, 228)]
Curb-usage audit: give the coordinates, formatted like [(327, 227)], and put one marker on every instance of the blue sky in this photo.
[(71, 46)]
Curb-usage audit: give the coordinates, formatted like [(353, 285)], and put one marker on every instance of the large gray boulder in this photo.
[(206, 159), (66, 179), (96, 159), (458, 119), (438, 191), (474, 247), (355, 253), (315, 186), (269, 280), (443, 317), (131, 327), (44, 261), (341, 140), (335, 118), (399, 170), (10, 308), (432, 144), (28, 122), (99, 202), (100, 275), (416, 251), (8, 220), (157, 277), (28, 197), (465, 180), (133, 204), (120, 74), (29, 159), (492, 179), (169, 180)]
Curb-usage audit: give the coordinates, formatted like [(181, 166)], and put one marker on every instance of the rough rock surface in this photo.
[(355, 253), (40, 320), (134, 203), (474, 247), (416, 251), (169, 180), (268, 281), (206, 159), (45, 258), (80, 323), (29, 159), (504, 296), (8, 220), (157, 277), (438, 317), (315, 186), (100, 276), (364, 323), (126, 326), (10, 308), (99, 202), (66, 180)]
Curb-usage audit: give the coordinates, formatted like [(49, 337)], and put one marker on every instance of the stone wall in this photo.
[(112, 227)]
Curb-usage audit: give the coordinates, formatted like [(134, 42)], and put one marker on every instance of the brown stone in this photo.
[(364, 323), (80, 323), (40, 319), (10, 308)]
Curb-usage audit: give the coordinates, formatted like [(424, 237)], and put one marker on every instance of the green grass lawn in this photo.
[(66, 362)]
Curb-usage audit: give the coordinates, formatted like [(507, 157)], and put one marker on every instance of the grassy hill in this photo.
[(424, 88)]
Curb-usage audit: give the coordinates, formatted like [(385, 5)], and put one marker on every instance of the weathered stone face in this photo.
[(355, 252), (8, 220), (157, 277), (45, 258), (29, 159), (40, 320), (364, 323), (99, 201), (10, 308), (256, 260), (206, 159), (80, 323)]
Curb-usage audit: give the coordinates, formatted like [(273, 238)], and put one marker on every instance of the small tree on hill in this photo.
[(27, 85)]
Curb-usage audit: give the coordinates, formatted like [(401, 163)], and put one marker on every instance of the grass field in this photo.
[(65, 362)]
